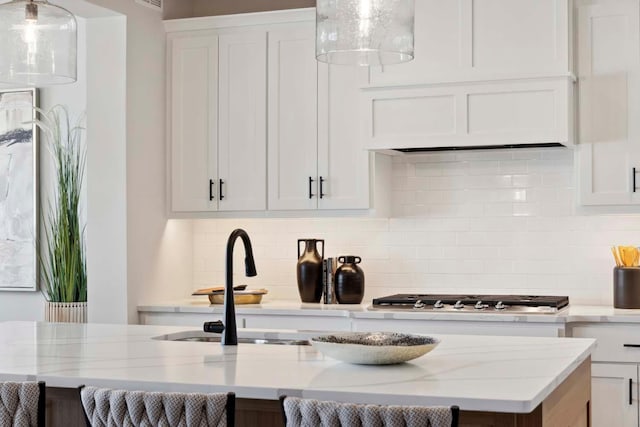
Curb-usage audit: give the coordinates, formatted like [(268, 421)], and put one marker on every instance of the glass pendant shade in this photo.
[(364, 32), (38, 44)]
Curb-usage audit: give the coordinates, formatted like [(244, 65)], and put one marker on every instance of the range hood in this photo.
[(474, 115)]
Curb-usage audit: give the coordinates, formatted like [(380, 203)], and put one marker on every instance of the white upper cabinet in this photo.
[(474, 40), (256, 123), (193, 122), (608, 48), (316, 159), (343, 163), (293, 118), (217, 116), (486, 72), (242, 127)]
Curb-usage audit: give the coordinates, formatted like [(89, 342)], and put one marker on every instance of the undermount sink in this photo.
[(200, 336)]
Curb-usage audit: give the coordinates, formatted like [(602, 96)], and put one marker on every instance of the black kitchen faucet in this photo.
[(228, 328)]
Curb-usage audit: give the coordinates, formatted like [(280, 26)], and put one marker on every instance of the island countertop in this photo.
[(477, 373)]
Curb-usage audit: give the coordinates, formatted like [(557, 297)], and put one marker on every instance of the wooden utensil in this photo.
[(616, 257)]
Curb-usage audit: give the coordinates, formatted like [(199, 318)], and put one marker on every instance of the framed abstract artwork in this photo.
[(18, 190)]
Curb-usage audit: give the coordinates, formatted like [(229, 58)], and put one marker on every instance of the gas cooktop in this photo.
[(544, 304)]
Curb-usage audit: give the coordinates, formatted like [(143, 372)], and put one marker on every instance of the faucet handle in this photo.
[(216, 327)]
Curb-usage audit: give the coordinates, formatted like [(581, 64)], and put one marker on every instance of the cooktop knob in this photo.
[(438, 304), (480, 306), (419, 304), (500, 306), (458, 305)]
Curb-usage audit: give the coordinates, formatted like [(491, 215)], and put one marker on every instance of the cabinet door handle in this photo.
[(321, 190), (634, 179), (310, 185), (220, 195), (630, 391), (631, 345), (211, 183)]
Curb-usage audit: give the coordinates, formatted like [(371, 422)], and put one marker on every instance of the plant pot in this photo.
[(69, 312)]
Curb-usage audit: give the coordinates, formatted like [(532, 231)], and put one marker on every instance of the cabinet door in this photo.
[(242, 141), (614, 395), (193, 121), (292, 143), (609, 103), (464, 40), (343, 163)]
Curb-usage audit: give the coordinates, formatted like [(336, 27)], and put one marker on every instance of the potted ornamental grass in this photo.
[(62, 256)]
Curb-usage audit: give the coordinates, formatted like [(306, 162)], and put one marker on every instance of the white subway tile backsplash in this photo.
[(487, 181), (497, 224), (442, 224), (498, 209), (527, 209), (557, 179), (489, 221), (467, 210), (530, 180), (484, 155), (531, 154), (514, 167), (500, 283), (433, 157)]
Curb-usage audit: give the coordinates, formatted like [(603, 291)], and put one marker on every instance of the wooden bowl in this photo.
[(240, 297)]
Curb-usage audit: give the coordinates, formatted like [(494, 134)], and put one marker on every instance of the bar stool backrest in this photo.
[(104, 407)]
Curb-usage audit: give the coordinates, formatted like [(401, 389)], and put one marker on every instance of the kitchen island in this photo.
[(495, 380)]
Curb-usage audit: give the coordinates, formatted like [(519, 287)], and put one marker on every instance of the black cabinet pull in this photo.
[(211, 183), (321, 191), (630, 391), (220, 195), (634, 180), (310, 185), (631, 345)]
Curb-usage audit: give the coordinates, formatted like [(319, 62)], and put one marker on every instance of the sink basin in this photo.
[(200, 336)]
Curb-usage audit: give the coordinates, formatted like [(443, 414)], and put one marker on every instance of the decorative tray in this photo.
[(374, 348)]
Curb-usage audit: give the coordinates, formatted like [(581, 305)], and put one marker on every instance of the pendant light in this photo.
[(38, 43), (364, 32)]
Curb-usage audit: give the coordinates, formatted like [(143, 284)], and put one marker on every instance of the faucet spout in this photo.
[(230, 332)]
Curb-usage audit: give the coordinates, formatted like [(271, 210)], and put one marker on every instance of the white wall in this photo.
[(488, 221), (147, 255), (30, 305), (106, 170), (132, 250)]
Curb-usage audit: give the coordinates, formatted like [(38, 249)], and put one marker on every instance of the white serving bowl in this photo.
[(374, 348)]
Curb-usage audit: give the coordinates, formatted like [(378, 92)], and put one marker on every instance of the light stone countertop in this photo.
[(502, 374), (574, 314)]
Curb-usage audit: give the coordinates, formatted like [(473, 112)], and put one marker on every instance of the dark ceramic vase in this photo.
[(309, 270), (349, 281)]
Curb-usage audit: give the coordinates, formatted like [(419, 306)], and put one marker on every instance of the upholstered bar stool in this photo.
[(105, 407), (299, 412), (22, 404)]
